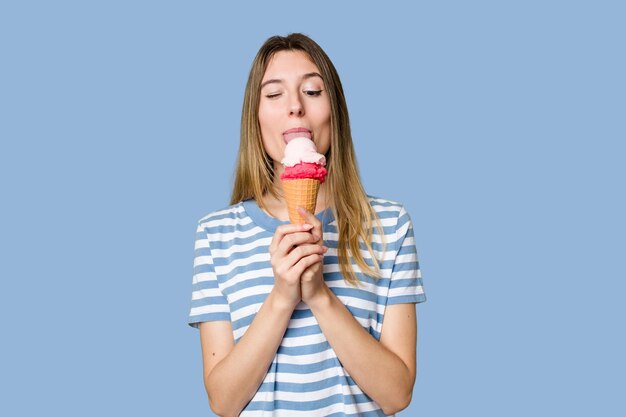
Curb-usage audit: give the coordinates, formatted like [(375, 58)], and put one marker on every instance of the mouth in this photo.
[(298, 132)]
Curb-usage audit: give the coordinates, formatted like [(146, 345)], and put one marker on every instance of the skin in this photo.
[(295, 100), (233, 373)]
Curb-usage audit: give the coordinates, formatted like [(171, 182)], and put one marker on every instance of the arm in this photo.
[(233, 373), (384, 370)]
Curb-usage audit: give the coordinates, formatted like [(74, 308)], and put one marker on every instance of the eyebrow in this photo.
[(304, 77)]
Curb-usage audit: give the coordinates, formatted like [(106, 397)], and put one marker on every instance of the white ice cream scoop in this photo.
[(302, 150)]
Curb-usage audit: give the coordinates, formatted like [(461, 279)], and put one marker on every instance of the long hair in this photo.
[(254, 174)]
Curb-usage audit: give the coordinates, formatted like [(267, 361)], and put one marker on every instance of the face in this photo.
[(293, 95)]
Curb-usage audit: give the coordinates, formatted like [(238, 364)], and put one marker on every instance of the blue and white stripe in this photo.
[(233, 276)]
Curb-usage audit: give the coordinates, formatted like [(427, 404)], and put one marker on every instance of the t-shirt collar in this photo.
[(270, 223)]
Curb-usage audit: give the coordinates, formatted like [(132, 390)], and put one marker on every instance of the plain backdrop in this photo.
[(499, 124)]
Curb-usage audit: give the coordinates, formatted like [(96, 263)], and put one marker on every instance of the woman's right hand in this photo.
[(291, 252)]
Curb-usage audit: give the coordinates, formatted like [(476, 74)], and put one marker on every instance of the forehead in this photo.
[(286, 64)]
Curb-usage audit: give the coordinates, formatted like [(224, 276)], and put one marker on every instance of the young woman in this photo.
[(304, 320)]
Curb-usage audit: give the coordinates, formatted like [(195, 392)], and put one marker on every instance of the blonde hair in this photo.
[(254, 175)]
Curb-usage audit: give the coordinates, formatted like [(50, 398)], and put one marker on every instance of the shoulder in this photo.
[(393, 216), (226, 216), (387, 208)]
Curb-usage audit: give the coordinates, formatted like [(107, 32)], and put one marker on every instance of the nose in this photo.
[(295, 106)]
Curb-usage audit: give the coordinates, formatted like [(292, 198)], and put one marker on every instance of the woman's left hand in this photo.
[(312, 280)]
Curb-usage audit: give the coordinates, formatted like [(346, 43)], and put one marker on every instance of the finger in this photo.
[(294, 239), (303, 251), (310, 218), (306, 262), (285, 229)]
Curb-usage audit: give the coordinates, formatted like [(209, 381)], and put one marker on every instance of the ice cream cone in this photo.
[(300, 193)]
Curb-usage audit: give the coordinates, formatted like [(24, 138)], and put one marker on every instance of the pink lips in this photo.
[(298, 132)]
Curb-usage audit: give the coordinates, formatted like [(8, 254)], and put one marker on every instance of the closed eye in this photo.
[(313, 93)]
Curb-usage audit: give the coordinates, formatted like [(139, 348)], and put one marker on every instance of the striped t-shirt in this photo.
[(233, 276)]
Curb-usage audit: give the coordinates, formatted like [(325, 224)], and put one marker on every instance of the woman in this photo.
[(304, 320)]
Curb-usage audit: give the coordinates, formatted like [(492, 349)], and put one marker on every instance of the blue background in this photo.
[(500, 125)]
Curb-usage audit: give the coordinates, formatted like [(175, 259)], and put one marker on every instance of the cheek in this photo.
[(268, 124), (324, 118), (267, 118), (263, 117), (325, 115)]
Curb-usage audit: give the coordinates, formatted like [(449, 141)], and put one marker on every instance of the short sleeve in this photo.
[(208, 303), (406, 279)]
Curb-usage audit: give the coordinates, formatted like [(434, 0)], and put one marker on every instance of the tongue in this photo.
[(292, 135)]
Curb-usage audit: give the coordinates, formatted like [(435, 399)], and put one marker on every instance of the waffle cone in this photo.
[(300, 193)]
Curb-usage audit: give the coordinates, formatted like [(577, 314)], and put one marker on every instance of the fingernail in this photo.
[(306, 226), (325, 248)]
